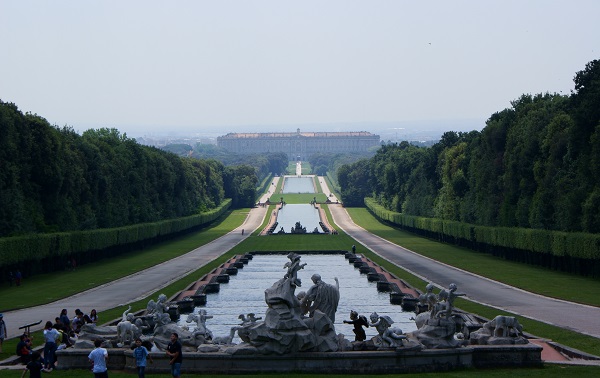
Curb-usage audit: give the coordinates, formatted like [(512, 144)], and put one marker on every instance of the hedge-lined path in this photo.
[(136, 286), (577, 317)]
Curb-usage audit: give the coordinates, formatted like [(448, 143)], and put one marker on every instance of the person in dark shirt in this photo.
[(35, 366), (24, 348), (174, 353)]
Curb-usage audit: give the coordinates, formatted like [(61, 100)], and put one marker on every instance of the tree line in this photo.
[(53, 179), (534, 165)]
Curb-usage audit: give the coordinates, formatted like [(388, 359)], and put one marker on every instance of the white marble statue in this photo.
[(391, 337), (323, 297)]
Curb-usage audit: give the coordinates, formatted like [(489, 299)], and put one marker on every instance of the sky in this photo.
[(178, 67)]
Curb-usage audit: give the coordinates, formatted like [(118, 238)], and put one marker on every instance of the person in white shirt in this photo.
[(99, 357)]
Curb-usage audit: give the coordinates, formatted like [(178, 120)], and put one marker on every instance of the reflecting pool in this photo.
[(245, 293), (306, 214), (293, 184)]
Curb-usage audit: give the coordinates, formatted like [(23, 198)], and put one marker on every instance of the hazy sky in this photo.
[(216, 66)]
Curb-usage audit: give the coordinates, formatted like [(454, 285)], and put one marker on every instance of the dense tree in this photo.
[(54, 179), (534, 165)]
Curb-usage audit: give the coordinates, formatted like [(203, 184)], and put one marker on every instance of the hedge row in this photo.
[(264, 185), (20, 249), (556, 243)]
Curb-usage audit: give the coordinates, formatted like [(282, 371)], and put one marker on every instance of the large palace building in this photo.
[(298, 144)]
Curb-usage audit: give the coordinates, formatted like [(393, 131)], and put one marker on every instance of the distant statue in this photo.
[(504, 326), (293, 266), (226, 340), (159, 306), (127, 331), (323, 297), (452, 295), (358, 322), (429, 299), (159, 310), (392, 336), (249, 319), (200, 320)]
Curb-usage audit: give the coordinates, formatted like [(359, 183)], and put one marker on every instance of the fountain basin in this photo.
[(352, 362)]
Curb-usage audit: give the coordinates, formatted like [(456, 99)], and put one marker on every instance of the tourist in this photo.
[(64, 318), (50, 337), (18, 278), (174, 353), (141, 353), (3, 331), (99, 357), (24, 348), (77, 321), (94, 316), (35, 366)]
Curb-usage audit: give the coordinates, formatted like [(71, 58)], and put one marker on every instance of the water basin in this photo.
[(293, 184), (245, 294), (307, 215)]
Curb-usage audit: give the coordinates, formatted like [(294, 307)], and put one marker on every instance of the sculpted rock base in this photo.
[(437, 334)]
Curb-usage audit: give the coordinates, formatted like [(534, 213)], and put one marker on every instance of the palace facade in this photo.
[(299, 144)]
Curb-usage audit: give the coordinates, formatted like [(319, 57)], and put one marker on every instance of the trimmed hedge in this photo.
[(503, 241), (22, 249), (263, 186)]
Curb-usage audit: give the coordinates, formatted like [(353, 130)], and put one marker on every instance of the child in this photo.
[(35, 366), (140, 353)]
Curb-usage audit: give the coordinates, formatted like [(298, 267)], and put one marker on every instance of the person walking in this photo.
[(3, 331), (174, 352), (50, 337), (140, 353), (35, 366), (99, 357)]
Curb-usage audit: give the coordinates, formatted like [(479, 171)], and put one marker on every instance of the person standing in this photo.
[(174, 352), (140, 353), (18, 278), (3, 331), (50, 337), (99, 357)]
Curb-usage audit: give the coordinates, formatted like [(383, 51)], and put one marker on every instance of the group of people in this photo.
[(16, 277), (57, 335)]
